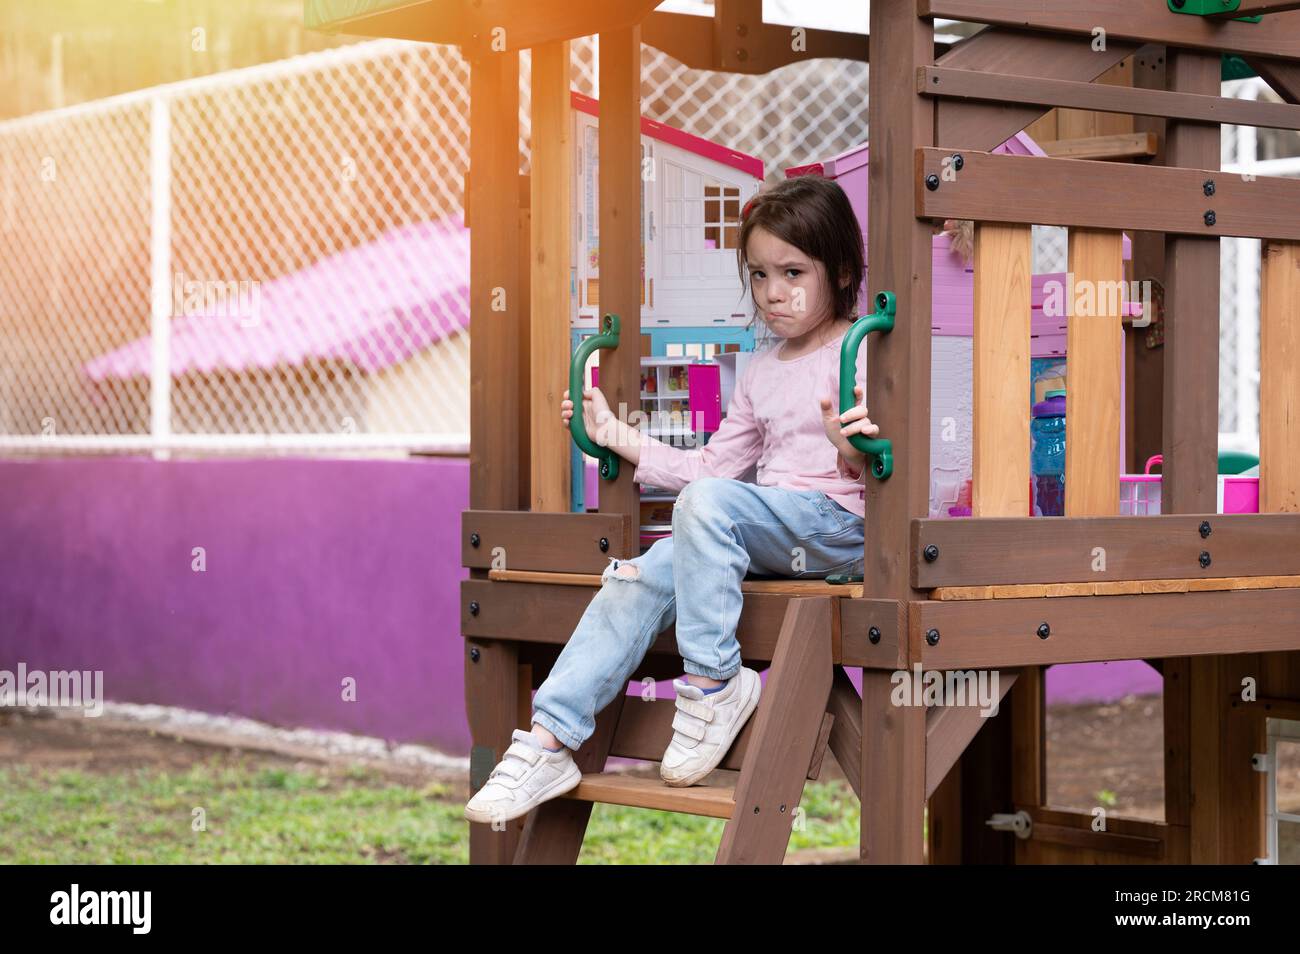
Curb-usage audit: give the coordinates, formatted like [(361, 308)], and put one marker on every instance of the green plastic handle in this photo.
[(880, 450), (608, 338)]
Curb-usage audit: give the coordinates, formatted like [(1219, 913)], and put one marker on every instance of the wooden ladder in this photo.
[(807, 704)]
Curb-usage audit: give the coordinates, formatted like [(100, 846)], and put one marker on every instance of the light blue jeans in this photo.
[(722, 529)]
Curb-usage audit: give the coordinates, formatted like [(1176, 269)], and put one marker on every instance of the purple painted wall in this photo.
[(316, 570)]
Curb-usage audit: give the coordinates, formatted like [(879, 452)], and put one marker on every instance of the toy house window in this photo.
[(721, 216), (1283, 784)]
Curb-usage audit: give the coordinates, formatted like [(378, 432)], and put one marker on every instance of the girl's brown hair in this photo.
[(814, 215)]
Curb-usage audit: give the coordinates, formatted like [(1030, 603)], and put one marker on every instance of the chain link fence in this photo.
[(274, 258)]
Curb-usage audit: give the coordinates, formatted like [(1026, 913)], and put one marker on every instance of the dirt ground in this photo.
[(108, 745), (1107, 755), (1092, 749)]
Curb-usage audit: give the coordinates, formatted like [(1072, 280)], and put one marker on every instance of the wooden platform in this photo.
[(1113, 588), (714, 801), (776, 587)]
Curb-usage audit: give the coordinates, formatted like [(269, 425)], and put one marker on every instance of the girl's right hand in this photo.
[(596, 414)]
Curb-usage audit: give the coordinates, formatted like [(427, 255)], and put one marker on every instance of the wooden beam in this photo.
[(949, 730), (1124, 20), (1282, 75), (1254, 8), (620, 244), (554, 831), (979, 125), (560, 543), (787, 587), (548, 310), (784, 738), (492, 610), (845, 707), (1005, 551), (734, 23), (1116, 147), (974, 634), (1145, 388), (495, 368), (1031, 190), (941, 82), (1279, 378), (492, 696), (690, 40), (1190, 426), (898, 390), (1058, 590), (1002, 309), (1061, 837), (1095, 344), (1029, 751)]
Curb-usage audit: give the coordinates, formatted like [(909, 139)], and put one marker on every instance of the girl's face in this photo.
[(790, 289)]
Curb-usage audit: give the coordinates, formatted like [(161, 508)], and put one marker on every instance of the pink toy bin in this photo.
[(1139, 494)]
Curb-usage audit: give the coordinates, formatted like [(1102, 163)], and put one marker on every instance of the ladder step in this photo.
[(715, 801)]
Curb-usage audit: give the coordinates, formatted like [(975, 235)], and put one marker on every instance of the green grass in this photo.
[(258, 815)]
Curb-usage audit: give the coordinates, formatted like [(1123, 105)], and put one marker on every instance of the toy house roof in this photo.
[(750, 165)]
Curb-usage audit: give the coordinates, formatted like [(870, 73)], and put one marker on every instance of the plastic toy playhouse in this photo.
[(693, 305), (951, 378)]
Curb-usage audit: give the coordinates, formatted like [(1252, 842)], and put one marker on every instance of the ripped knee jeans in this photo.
[(722, 530)]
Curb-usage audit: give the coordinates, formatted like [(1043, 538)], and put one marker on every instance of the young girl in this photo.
[(801, 251)]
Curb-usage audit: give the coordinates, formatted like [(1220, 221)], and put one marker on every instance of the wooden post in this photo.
[(1094, 345), (494, 299), (1279, 379), (620, 250), (1000, 488), (898, 393), (492, 691), (550, 186), (1145, 364), (1190, 429), (1000, 417)]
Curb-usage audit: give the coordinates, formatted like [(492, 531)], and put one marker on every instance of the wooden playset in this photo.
[(1211, 600)]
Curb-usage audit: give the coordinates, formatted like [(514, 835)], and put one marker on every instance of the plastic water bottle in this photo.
[(1047, 434)]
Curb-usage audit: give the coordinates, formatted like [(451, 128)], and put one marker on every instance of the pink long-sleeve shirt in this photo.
[(774, 420)]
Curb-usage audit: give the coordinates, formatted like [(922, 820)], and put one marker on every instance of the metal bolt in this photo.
[(1178, 3), (742, 55), (1044, 631), (958, 161), (1205, 558), (1208, 187), (473, 654), (932, 637), (1205, 529), (473, 539), (1209, 217), (878, 467), (931, 553), (873, 634), (473, 607), (932, 182), (741, 29), (604, 544)]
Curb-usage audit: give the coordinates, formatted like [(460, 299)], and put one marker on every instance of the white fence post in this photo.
[(160, 266)]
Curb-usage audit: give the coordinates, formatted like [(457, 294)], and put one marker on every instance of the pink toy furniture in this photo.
[(701, 400)]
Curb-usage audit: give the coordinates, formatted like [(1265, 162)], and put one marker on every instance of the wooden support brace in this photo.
[(786, 731)]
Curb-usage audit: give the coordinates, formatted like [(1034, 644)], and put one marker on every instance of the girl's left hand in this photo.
[(853, 421)]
